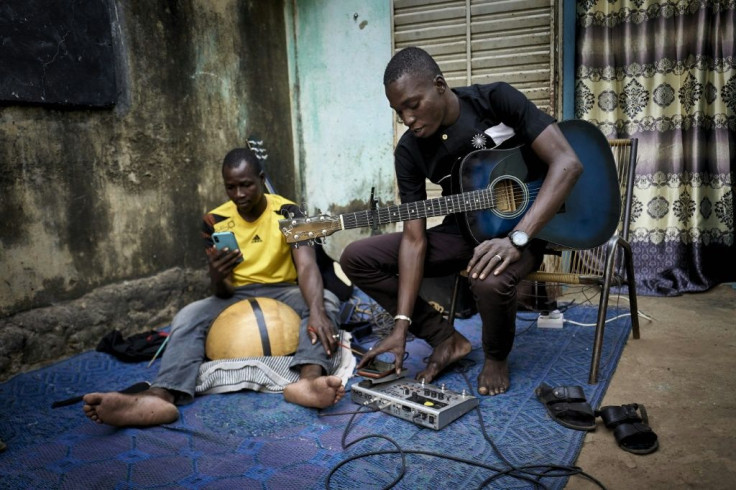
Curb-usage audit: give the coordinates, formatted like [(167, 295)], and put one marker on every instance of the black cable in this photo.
[(353, 458), (532, 322), (528, 473), (521, 472)]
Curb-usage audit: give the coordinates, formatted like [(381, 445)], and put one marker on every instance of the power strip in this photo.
[(553, 319)]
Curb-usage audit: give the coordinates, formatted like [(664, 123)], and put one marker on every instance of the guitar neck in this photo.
[(439, 206)]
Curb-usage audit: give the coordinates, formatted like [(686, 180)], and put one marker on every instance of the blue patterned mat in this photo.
[(251, 440)]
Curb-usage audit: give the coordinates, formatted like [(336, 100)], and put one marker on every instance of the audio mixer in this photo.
[(424, 404)]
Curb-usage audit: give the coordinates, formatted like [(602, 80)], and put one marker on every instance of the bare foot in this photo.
[(450, 350), (494, 378), (319, 392), (151, 407)]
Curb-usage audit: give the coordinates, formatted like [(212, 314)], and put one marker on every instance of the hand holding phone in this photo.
[(225, 240), (376, 369)]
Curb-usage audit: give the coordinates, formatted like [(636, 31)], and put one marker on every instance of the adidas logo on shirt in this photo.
[(256, 239)]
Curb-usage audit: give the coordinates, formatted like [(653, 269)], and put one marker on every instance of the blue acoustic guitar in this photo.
[(492, 189)]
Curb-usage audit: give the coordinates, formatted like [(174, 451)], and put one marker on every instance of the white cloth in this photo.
[(268, 374)]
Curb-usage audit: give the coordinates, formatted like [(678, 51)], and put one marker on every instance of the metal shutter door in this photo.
[(481, 41)]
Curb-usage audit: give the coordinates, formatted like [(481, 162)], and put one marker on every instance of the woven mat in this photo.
[(256, 440)]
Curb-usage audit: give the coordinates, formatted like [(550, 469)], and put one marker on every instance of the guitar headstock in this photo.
[(256, 145), (308, 230)]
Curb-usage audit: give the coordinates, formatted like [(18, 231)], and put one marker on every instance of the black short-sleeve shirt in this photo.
[(489, 114)]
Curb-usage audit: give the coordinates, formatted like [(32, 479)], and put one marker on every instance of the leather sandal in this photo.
[(567, 406), (632, 431)]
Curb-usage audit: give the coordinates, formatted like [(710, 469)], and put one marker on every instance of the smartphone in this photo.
[(376, 369), (226, 239)]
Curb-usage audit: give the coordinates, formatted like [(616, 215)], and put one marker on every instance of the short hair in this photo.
[(411, 60), (237, 156)]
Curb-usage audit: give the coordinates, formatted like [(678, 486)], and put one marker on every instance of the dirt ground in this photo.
[(683, 370)]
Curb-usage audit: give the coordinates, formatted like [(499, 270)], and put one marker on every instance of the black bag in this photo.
[(136, 348)]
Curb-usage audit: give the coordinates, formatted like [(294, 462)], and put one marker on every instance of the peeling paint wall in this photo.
[(343, 123), (93, 198)]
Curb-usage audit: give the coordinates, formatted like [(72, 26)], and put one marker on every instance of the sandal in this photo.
[(632, 432), (567, 406)]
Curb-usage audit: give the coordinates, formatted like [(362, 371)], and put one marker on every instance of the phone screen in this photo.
[(377, 369), (226, 240)]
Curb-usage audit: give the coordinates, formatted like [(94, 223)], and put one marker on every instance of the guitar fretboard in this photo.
[(439, 206)]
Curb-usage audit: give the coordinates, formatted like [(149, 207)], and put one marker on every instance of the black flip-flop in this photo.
[(136, 388), (632, 431), (567, 406)]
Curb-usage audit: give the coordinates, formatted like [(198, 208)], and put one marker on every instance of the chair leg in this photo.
[(600, 324), (631, 282)]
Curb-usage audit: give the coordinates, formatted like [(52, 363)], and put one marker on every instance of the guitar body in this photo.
[(589, 215), (491, 191)]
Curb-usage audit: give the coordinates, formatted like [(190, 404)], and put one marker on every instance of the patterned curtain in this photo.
[(664, 72)]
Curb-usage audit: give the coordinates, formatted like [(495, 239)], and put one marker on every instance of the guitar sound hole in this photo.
[(508, 196)]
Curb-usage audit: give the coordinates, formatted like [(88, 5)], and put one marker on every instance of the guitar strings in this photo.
[(481, 199)]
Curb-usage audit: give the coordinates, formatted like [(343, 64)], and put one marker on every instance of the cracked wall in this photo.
[(96, 198)]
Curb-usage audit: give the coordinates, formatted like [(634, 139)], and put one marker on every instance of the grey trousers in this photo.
[(185, 349)]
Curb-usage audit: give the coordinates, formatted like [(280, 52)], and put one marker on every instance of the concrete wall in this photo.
[(101, 208), (343, 122)]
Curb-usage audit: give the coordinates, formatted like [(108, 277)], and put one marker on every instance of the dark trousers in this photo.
[(372, 265)]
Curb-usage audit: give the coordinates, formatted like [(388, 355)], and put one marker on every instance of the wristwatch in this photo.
[(519, 239)]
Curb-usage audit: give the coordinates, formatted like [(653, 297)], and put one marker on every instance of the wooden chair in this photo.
[(601, 266)]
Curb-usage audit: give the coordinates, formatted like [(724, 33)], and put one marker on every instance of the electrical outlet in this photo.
[(552, 319)]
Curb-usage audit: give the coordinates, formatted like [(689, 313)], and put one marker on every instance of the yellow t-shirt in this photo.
[(266, 255)]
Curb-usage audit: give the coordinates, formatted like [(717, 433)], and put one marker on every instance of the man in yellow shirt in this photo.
[(269, 268)]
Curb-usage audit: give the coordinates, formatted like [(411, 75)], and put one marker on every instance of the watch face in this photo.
[(519, 238)]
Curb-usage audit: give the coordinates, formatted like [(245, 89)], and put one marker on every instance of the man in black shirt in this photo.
[(444, 125)]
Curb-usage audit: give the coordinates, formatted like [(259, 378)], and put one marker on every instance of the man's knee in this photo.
[(346, 258), (352, 259), (493, 288)]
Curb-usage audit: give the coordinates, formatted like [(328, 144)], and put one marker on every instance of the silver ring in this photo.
[(499, 257), (336, 336)]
